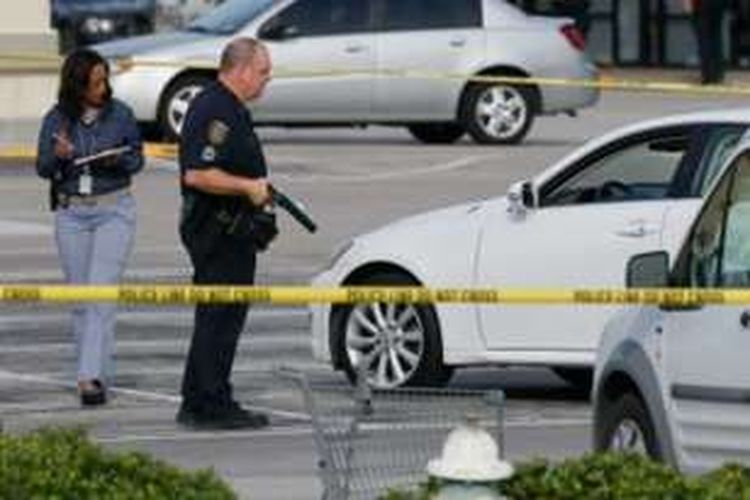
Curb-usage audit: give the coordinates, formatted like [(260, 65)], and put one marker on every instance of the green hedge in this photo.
[(64, 464), (608, 477)]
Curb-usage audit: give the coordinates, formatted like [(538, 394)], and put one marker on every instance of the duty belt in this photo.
[(91, 200)]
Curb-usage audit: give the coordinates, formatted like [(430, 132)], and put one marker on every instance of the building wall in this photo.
[(651, 32), (26, 27)]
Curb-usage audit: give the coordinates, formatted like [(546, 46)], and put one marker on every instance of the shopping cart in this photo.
[(371, 441)]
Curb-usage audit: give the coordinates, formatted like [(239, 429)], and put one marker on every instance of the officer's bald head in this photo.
[(245, 67), (238, 53)]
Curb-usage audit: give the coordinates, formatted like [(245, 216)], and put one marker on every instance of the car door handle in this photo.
[(458, 42), (637, 230), (745, 320), (354, 49)]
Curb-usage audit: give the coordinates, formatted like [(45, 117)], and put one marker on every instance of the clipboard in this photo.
[(101, 154)]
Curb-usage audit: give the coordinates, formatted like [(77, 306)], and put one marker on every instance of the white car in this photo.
[(673, 382), (574, 225), (360, 62)]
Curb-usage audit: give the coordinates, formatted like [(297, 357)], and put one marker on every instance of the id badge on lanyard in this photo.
[(85, 182)]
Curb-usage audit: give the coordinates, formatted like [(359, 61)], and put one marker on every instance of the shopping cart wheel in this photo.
[(400, 343)]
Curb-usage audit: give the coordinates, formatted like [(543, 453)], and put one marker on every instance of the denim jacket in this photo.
[(115, 126)]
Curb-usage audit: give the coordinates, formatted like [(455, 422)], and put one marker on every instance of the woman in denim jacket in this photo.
[(89, 148)]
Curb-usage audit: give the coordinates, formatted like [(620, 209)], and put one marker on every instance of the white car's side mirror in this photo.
[(648, 270), (520, 198)]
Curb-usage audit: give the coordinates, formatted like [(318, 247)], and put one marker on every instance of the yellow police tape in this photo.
[(288, 295), (124, 64)]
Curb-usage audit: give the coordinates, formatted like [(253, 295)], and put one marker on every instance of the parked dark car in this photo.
[(82, 22)]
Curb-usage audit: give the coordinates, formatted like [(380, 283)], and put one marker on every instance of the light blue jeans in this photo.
[(94, 243)]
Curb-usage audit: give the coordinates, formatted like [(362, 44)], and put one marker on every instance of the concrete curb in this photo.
[(27, 153)]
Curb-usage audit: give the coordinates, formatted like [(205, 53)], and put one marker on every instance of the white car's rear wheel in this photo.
[(499, 113), (176, 101), (399, 344)]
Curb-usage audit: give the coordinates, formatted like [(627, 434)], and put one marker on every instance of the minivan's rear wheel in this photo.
[(400, 344), (436, 133), (176, 101), (626, 426), (499, 113)]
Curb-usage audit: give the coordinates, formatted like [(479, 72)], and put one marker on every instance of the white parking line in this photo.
[(45, 250), (457, 164), (185, 317), (140, 394), (273, 432), (16, 228), (263, 364), (428, 170), (141, 274), (292, 431), (251, 339)]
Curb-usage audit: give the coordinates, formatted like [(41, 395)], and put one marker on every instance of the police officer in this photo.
[(708, 21), (223, 172)]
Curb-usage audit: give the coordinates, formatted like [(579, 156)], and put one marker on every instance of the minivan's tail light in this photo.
[(574, 36)]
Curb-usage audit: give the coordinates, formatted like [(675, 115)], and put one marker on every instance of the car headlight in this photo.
[(97, 25), (120, 65)]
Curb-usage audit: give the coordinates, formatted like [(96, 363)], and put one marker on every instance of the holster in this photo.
[(254, 226)]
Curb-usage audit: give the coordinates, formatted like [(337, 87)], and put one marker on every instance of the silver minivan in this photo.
[(360, 62), (673, 381)]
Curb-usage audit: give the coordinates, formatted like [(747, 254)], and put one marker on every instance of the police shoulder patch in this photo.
[(208, 154), (217, 132)]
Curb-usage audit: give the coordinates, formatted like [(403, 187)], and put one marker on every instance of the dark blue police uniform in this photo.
[(218, 133)]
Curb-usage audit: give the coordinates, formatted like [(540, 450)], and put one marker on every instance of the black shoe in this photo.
[(94, 396), (227, 417), (261, 419)]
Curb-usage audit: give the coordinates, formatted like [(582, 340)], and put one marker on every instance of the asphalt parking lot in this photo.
[(351, 181)]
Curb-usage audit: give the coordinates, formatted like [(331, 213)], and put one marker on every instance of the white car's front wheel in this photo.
[(499, 113), (176, 101), (394, 345), (625, 426)]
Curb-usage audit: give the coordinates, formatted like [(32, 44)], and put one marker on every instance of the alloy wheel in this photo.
[(179, 104), (628, 437), (389, 339), (501, 111)]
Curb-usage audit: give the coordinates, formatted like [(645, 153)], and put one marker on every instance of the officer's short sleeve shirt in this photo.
[(218, 133)]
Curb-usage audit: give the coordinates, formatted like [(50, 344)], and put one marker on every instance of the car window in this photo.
[(717, 253), (719, 144), (230, 16), (325, 17), (431, 14), (642, 170), (735, 254)]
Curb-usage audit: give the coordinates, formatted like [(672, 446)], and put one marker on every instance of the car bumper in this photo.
[(320, 321), (569, 95)]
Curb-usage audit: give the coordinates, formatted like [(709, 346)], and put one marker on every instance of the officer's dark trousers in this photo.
[(708, 23), (205, 385)]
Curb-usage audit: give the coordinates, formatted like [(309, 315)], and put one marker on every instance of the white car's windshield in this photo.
[(230, 16)]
